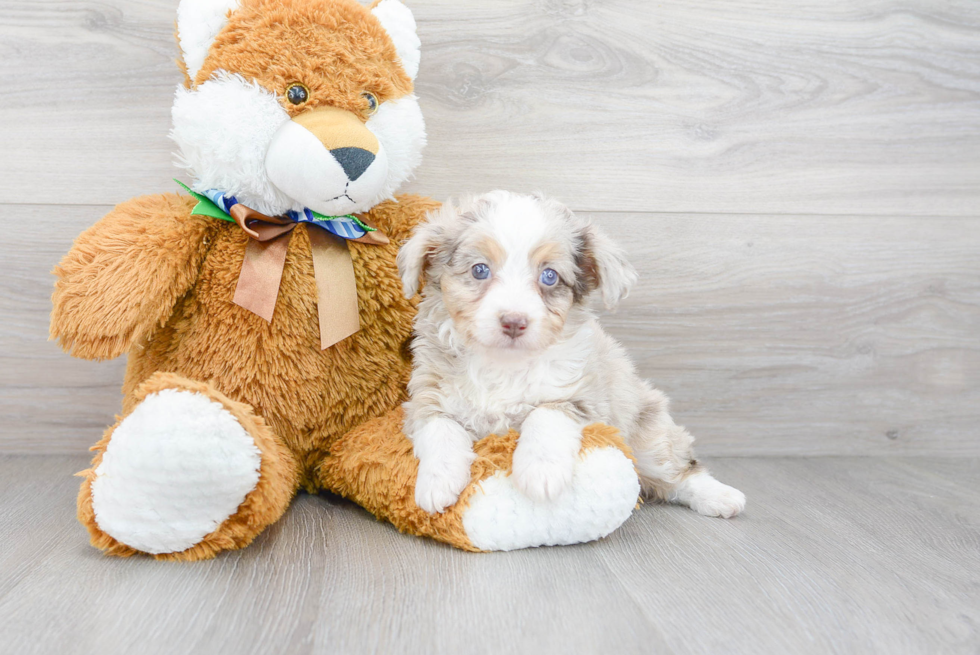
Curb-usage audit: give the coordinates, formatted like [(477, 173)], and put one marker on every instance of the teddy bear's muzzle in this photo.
[(338, 128), (327, 159)]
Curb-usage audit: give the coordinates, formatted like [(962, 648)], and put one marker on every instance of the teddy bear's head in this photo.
[(293, 104)]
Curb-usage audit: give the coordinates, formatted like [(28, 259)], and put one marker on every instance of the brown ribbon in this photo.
[(265, 257)]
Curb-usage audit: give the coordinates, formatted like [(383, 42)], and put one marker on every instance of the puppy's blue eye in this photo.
[(549, 277), (480, 271)]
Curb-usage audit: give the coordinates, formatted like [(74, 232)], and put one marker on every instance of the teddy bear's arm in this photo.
[(124, 274)]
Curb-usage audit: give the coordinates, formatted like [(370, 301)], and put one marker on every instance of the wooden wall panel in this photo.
[(787, 335), (836, 106), (799, 184), (809, 334)]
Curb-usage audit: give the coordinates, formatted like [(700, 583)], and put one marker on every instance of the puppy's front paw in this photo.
[(542, 475), (440, 482)]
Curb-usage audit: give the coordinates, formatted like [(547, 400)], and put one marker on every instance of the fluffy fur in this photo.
[(173, 433), (399, 23), (581, 514), (278, 475), (374, 465), (475, 375), (232, 122), (223, 129), (125, 274), (198, 22), (152, 280)]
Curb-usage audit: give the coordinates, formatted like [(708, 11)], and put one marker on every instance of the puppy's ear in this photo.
[(423, 250), (604, 265)]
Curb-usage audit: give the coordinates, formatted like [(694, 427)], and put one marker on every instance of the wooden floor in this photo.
[(834, 555)]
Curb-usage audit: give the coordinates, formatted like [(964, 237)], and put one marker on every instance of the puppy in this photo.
[(504, 339)]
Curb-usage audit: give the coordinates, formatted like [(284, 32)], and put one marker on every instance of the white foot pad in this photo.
[(602, 495), (174, 470)]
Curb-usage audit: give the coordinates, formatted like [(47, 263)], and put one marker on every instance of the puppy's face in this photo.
[(509, 282), (509, 268)]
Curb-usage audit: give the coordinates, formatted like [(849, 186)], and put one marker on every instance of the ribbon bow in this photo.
[(265, 258)]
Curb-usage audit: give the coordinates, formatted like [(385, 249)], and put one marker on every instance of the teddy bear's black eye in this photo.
[(372, 101), (297, 94)]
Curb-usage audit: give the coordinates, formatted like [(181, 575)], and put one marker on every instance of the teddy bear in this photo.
[(261, 309)]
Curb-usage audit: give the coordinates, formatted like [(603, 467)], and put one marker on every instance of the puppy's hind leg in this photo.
[(668, 471)]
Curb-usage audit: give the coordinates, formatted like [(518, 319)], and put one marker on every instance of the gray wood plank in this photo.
[(834, 555), (851, 555), (808, 334), (49, 402), (772, 334), (835, 106)]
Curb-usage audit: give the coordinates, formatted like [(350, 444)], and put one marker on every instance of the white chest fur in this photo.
[(492, 392)]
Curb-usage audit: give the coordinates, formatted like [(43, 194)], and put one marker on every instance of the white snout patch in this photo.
[(303, 169), (175, 469), (512, 293), (602, 495)]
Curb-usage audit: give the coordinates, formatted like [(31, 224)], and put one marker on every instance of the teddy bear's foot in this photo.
[(374, 466), (602, 494), (186, 474), (173, 471)]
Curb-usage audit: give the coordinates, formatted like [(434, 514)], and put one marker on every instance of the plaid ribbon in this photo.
[(345, 227)]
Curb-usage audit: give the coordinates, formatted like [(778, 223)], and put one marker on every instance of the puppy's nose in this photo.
[(353, 160), (513, 324)]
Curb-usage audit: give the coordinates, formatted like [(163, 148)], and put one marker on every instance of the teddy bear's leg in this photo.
[(374, 466), (185, 474)]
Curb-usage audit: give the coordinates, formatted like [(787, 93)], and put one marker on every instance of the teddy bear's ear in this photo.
[(398, 21), (198, 23)]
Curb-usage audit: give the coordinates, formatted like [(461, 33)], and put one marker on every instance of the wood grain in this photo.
[(774, 335), (49, 402), (833, 555), (809, 335), (830, 106)]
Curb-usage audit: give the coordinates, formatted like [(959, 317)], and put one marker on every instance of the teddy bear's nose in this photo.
[(353, 160)]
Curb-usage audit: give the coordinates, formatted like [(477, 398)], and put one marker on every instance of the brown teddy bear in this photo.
[(263, 314)]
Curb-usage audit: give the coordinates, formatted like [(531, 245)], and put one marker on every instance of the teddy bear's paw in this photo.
[(173, 471), (602, 494)]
